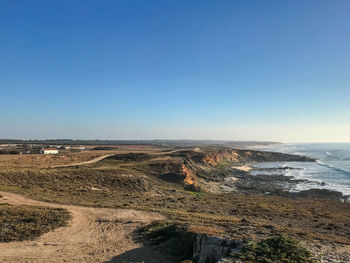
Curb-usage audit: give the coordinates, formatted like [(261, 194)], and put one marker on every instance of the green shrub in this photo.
[(172, 238), (279, 249), (160, 231)]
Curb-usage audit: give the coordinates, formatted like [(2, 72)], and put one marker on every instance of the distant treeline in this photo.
[(9, 152), (164, 143), (20, 148)]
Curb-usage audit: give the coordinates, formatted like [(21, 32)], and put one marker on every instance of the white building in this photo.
[(49, 151)]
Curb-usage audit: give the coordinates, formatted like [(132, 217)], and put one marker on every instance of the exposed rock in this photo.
[(318, 193), (245, 156), (174, 171), (187, 166), (211, 249), (280, 185), (217, 156)]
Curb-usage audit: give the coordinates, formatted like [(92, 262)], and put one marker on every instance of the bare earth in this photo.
[(95, 160), (244, 168), (93, 235)]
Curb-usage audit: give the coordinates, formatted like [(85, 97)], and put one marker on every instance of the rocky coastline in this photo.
[(281, 185), (274, 183), (228, 170)]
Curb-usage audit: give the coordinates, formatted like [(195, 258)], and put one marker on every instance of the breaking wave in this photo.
[(332, 156), (333, 168)]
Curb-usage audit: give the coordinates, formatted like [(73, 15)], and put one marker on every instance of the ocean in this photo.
[(330, 171)]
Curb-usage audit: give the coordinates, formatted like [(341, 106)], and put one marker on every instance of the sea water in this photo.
[(330, 171)]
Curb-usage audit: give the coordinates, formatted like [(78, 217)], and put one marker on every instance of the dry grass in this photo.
[(41, 160), (66, 157), (119, 184), (19, 223)]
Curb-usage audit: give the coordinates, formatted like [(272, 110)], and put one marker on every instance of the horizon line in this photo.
[(213, 140)]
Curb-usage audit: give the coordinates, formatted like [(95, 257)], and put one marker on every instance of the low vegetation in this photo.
[(135, 186), (179, 241), (22, 222), (279, 249), (171, 238), (136, 182)]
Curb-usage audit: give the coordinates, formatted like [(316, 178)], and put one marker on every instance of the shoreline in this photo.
[(280, 184), (331, 170), (239, 178)]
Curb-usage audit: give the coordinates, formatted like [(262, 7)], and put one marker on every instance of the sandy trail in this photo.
[(93, 235), (95, 160), (244, 168), (100, 158)]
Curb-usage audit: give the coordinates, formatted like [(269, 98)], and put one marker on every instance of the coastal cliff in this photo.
[(186, 166), (249, 156)]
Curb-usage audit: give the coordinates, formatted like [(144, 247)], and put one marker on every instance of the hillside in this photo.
[(189, 188)]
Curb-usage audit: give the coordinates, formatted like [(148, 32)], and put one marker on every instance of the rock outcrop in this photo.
[(248, 156), (184, 166), (211, 249)]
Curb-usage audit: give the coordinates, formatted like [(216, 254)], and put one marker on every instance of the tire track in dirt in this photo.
[(93, 235)]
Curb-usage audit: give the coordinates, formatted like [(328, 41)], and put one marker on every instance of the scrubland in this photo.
[(168, 183)]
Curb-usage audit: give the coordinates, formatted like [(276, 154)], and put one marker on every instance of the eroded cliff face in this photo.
[(185, 165), (175, 171), (249, 156), (190, 177), (215, 158)]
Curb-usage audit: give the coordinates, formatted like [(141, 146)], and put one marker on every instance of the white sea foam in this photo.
[(331, 171)]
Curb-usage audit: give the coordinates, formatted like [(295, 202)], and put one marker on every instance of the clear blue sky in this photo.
[(264, 70)]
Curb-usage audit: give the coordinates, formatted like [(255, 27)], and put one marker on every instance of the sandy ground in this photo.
[(93, 235), (95, 160), (243, 168)]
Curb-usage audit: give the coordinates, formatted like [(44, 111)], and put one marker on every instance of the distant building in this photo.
[(49, 151)]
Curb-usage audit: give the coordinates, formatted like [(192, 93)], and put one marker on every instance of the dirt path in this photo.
[(95, 160), (93, 235), (100, 158)]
